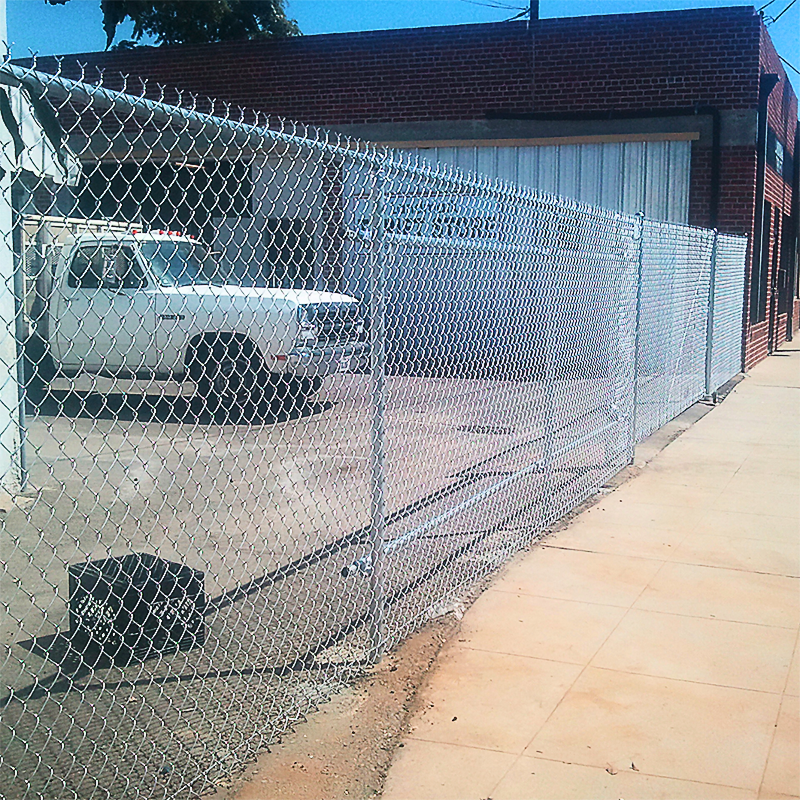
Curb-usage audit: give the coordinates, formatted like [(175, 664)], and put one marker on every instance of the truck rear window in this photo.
[(182, 263)]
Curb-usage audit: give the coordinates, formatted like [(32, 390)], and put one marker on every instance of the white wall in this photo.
[(10, 471)]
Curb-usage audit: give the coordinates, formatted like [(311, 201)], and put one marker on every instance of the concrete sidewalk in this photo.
[(650, 650)]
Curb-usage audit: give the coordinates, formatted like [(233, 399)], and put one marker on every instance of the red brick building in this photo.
[(707, 79)]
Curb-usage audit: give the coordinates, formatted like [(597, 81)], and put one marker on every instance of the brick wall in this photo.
[(782, 118), (782, 106), (661, 60), (396, 76), (617, 62), (737, 187)]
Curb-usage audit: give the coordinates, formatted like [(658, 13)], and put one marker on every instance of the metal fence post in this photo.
[(548, 428), (378, 432), (637, 333), (20, 333), (12, 468), (710, 317)]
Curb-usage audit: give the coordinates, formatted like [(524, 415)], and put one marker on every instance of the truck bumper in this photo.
[(319, 363)]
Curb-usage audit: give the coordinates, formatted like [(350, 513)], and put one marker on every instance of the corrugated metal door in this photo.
[(625, 176)]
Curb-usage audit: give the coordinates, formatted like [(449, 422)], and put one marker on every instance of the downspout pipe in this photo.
[(766, 84), (794, 217)]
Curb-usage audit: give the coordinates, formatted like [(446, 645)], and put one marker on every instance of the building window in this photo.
[(778, 158)]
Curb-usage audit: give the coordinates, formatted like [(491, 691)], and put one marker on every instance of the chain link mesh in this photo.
[(726, 310), (273, 400), (672, 329)]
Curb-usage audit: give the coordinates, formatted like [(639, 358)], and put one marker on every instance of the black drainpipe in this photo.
[(794, 231), (766, 84), (692, 111), (794, 218)]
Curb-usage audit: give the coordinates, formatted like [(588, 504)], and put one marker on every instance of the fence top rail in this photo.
[(662, 224), (324, 141), (385, 165)]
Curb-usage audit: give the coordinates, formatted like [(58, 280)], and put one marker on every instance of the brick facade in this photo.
[(762, 337), (635, 64), (619, 62)]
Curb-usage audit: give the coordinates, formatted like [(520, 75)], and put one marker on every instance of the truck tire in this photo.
[(231, 378), (310, 386), (38, 363)]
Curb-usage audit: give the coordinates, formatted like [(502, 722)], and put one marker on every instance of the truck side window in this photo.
[(86, 271), (127, 272), (106, 267)]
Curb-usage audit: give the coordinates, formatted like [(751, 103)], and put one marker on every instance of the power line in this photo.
[(767, 5), (493, 4), (773, 20), (790, 65), (523, 13)]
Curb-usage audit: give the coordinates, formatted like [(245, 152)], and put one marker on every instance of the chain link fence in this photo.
[(274, 398), (724, 350)]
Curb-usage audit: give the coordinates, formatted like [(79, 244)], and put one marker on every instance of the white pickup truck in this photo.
[(158, 304)]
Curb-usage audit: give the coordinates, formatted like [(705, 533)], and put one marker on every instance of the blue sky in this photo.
[(76, 26)]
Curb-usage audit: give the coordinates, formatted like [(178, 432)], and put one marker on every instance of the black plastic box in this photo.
[(133, 607)]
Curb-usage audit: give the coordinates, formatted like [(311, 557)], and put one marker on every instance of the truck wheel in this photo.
[(38, 363), (311, 386), (231, 379)]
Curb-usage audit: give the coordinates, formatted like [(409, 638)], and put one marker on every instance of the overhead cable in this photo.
[(773, 20)]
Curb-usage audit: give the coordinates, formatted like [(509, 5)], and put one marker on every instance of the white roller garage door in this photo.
[(652, 177)]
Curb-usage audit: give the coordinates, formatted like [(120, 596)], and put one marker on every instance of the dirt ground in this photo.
[(345, 748)]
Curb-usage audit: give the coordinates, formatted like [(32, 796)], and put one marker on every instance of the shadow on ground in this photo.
[(48, 402)]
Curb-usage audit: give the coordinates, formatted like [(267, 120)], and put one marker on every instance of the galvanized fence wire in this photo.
[(726, 311), (273, 400), (673, 314)]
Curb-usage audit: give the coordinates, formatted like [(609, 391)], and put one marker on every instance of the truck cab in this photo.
[(159, 304)]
